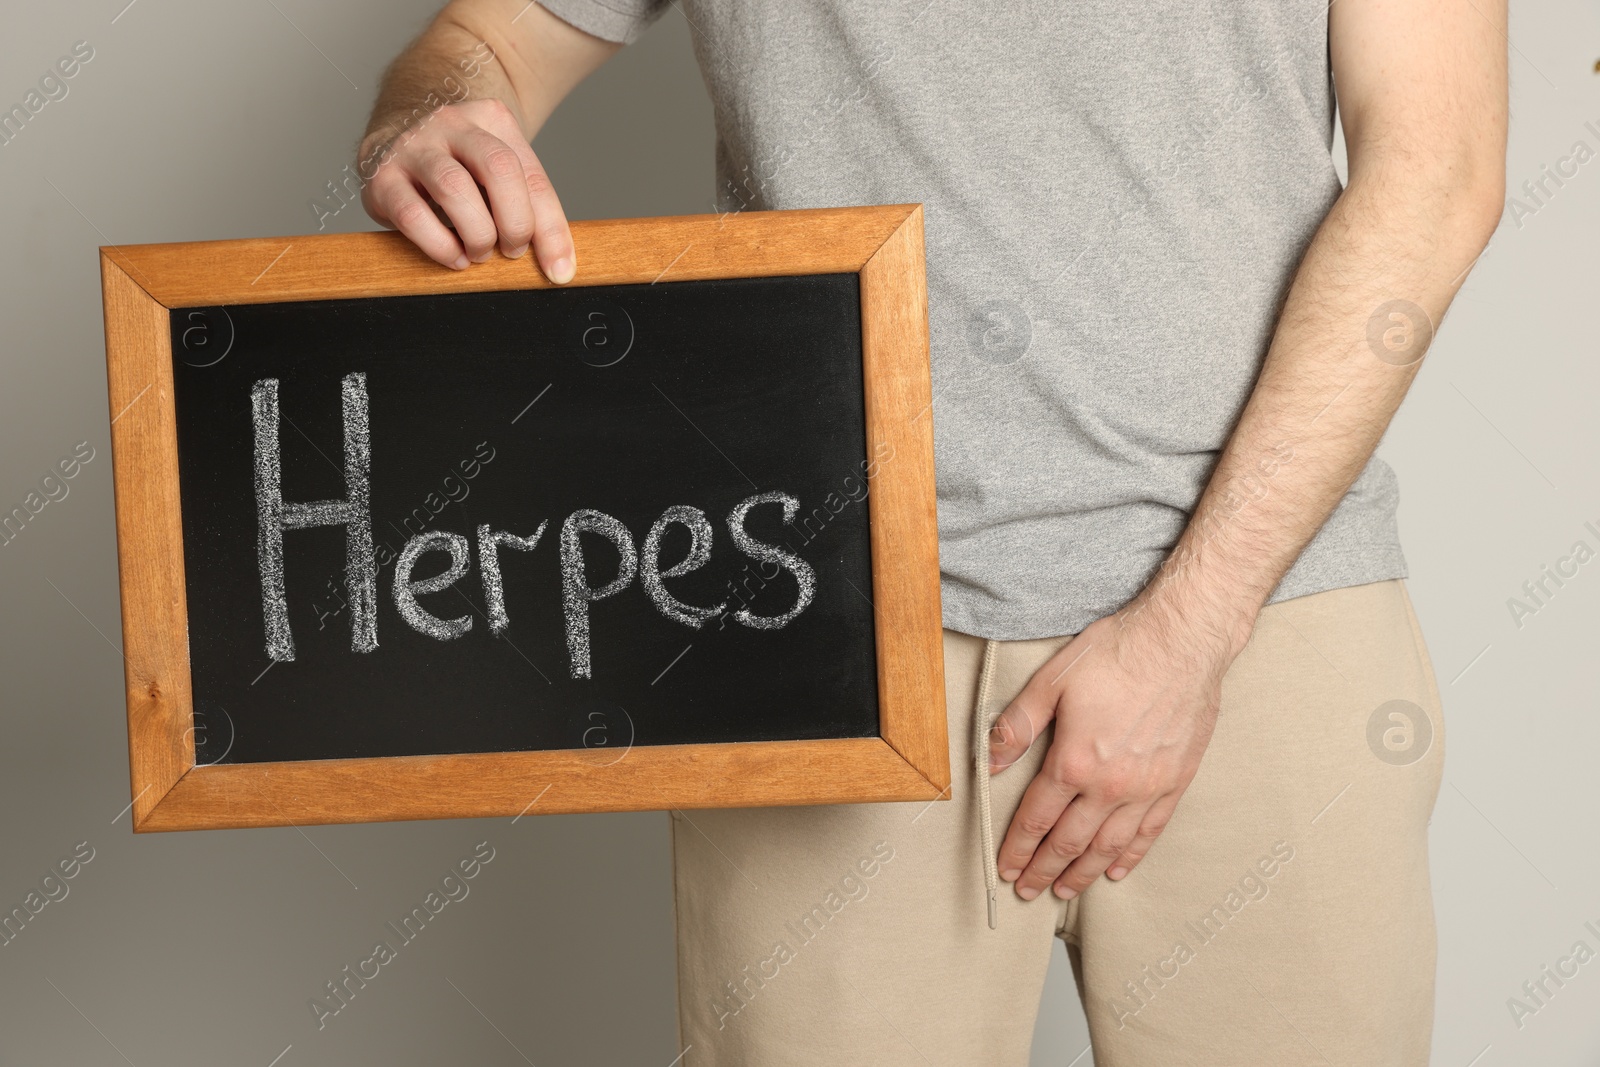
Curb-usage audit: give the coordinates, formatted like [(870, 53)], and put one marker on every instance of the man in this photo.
[(1165, 343)]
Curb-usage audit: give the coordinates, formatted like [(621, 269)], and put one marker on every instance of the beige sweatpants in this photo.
[(1283, 918)]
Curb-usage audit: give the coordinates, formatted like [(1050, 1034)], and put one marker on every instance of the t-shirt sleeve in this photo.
[(612, 20)]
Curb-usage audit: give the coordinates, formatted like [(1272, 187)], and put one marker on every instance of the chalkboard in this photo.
[(662, 538), (516, 411)]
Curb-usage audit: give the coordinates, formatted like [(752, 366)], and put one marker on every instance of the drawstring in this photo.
[(980, 746)]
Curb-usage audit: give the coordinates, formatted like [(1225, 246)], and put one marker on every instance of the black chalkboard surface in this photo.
[(514, 410), (401, 542)]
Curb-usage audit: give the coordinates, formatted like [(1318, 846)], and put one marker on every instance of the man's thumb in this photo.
[(1017, 728)]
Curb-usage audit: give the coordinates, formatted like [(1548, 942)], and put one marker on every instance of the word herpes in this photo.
[(274, 515)]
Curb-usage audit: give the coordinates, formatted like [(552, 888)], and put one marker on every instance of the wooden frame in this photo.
[(909, 761)]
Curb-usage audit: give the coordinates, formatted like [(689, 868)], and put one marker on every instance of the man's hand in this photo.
[(462, 148), (1134, 701), (449, 135)]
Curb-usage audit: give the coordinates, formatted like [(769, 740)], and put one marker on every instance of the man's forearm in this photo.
[(447, 64), (1347, 345), (507, 50)]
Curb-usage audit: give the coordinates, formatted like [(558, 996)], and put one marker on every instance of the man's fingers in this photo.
[(397, 204), (498, 167), (1041, 807), (552, 237), (454, 189), (1022, 723), (1155, 820), (1113, 838), (1071, 836), (476, 165)]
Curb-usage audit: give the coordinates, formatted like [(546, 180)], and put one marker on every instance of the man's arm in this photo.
[(456, 111), (1422, 94)]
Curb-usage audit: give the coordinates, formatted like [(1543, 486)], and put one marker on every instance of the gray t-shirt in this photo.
[(1117, 196)]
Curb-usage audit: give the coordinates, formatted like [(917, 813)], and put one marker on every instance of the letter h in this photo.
[(354, 513)]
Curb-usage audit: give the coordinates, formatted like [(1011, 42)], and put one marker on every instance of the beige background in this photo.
[(196, 121)]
